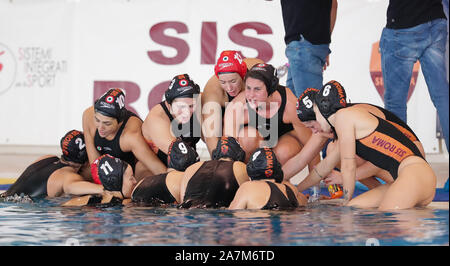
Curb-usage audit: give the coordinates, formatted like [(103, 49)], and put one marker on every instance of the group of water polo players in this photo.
[(258, 135)]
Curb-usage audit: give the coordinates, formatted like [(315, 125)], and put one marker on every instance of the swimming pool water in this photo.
[(44, 222)]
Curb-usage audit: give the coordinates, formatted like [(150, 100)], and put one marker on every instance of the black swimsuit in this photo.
[(386, 147), (278, 200), (263, 124), (112, 147), (33, 181), (212, 186), (394, 120), (153, 190)]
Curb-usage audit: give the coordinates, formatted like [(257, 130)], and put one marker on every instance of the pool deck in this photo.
[(15, 158)]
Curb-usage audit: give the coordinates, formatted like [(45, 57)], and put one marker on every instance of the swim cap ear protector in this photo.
[(331, 98), (108, 171), (181, 86), (228, 147), (73, 147), (305, 103), (229, 62), (267, 74), (112, 104), (263, 164), (181, 155)]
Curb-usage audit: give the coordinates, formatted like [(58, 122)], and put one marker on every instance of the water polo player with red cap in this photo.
[(266, 190), (52, 176), (376, 140), (226, 83), (264, 114), (177, 116), (110, 128)]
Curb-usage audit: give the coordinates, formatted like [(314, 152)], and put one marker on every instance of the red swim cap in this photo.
[(230, 61)]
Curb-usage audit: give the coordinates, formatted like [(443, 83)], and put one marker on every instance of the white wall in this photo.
[(72, 44)]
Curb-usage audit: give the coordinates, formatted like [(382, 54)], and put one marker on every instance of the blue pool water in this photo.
[(46, 223)]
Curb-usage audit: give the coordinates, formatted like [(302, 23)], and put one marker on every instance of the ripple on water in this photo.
[(45, 223)]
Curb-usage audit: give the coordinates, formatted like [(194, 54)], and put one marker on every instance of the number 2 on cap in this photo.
[(80, 143)]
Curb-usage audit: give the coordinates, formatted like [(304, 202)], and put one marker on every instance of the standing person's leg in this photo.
[(289, 81), (434, 71), (445, 5), (306, 62), (398, 55)]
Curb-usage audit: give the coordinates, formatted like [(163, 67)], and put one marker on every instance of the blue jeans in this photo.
[(306, 62), (400, 49)]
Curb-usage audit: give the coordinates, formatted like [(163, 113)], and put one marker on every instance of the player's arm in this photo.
[(89, 133), (133, 140), (156, 128), (212, 113), (345, 130)]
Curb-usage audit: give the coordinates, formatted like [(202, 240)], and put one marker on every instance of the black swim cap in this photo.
[(112, 104), (108, 171), (181, 86), (331, 98), (267, 74), (181, 155), (263, 164), (305, 103), (73, 147), (228, 147)]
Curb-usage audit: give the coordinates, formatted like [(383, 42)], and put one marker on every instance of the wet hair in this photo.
[(264, 164), (265, 73), (228, 147), (181, 86), (73, 147)]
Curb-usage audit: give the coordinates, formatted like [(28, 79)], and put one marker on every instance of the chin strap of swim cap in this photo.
[(230, 62)]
